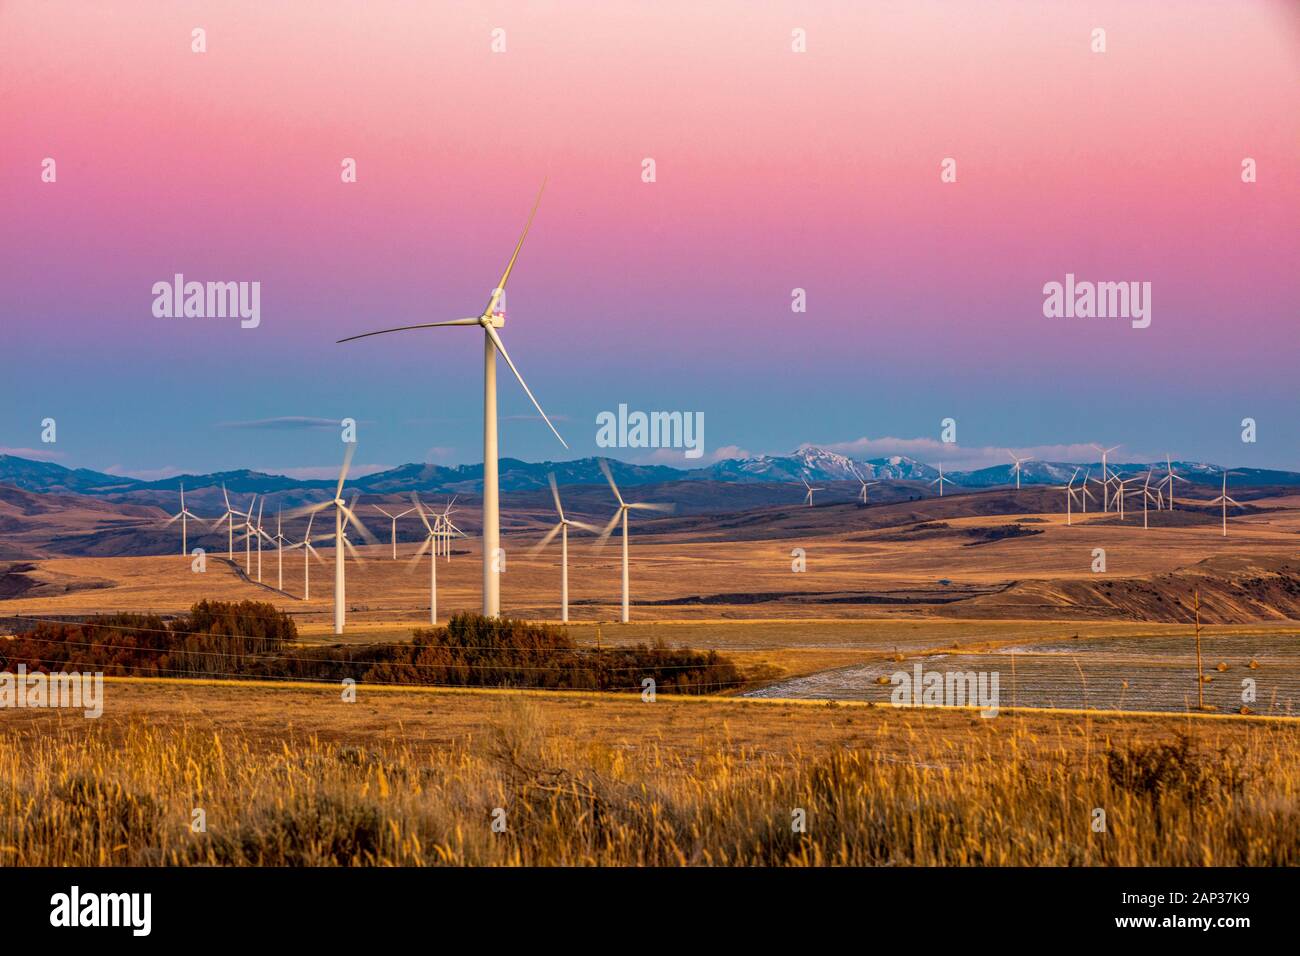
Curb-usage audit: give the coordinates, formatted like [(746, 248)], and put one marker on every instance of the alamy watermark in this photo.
[(208, 300), (1102, 300), (651, 430), (924, 688), (64, 690)]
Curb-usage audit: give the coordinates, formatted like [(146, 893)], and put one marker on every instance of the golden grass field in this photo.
[(293, 775), (290, 774)]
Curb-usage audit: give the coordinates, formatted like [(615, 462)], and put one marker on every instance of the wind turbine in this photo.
[(229, 519), (279, 541), (621, 514), (562, 529), (308, 552), (865, 485), (1122, 493), (1225, 501), (1105, 475), (940, 480), (808, 497), (491, 319), (342, 510), (430, 544), (1147, 498), (1018, 463), (248, 536), (394, 518), (1069, 496), (184, 515), (1170, 478), (1085, 494)]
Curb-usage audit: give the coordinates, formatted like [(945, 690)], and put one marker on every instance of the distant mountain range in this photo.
[(817, 464)]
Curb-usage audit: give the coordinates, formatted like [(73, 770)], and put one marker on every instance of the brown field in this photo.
[(293, 775)]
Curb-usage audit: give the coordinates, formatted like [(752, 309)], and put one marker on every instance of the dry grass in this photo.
[(294, 777)]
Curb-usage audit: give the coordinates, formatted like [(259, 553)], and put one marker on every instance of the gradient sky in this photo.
[(776, 170)]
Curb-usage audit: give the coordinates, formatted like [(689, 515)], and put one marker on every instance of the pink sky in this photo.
[(775, 170)]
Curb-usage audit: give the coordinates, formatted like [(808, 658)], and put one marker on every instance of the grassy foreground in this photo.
[(293, 777)]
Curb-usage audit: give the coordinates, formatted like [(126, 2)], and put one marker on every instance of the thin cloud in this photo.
[(284, 423), (144, 474)]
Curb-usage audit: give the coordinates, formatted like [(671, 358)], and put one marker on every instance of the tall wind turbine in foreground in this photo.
[(562, 529), (393, 517), (184, 515), (341, 511), (492, 319), (811, 489), (1016, 467), (621, 514), (940, 480), (1224, 500)]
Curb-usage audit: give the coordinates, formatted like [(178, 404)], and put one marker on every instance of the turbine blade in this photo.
[(352, 517), (608, 529), (555, 493), (500, 347), (343, 472), (505, 276), (604, 466), (407, 328), (550, 536), (659, 506)]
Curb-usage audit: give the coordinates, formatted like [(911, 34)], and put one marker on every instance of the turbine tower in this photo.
[(1224, 500), (184, 515), (562, 529), (1085, 493), (279, 541), (430, 544), (490, 320), (393, 518), (621, 514)]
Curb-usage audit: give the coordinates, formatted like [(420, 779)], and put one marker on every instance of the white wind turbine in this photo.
[(1069, 497), (1105, 475), (621, 515), (1224, 500), (229, 519), (184, 515), (341, 511), (865, 485), (430, 544), (249, 532), (1016, 467), (1122, 493), (1147, 498), (491, 319), (308, 552), (1085, 494), (279, 541), (809, 496), (940, 481), (393, 517), (562, 529), (1170, 477)]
